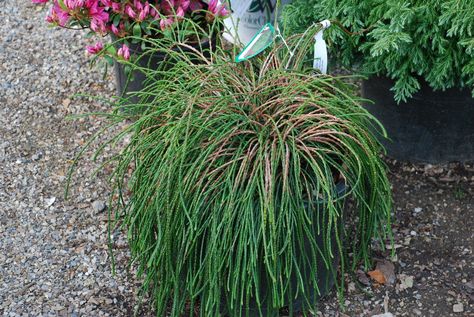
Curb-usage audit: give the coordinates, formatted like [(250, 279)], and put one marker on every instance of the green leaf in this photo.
[(90, 34), (63, 6), (137, 30), (404, 36), (116, 19), (111, 50), (109, 60)]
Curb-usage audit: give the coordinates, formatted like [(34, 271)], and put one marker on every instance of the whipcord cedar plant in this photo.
[(229, 180), (408, 41)]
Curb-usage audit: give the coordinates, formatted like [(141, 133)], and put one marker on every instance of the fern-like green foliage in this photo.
[(229, 180), (408, 41)]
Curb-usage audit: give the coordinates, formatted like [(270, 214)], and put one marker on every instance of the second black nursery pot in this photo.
[(431, 127), (326, 276)]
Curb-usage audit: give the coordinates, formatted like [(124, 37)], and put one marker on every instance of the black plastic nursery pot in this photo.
[(326, 277), (134, 82), (431, 127)]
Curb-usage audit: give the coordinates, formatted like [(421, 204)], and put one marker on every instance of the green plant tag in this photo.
[(261, 41)]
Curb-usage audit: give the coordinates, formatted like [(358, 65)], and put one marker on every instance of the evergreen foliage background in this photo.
[(407, 40)]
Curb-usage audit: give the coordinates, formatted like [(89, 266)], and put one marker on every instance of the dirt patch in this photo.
[(434, 240)]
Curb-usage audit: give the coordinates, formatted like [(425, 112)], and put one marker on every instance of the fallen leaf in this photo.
[(362, 277), (377, 276), (394, 246), (406, 281), (388, 270)]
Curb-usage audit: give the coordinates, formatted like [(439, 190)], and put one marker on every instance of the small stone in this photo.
[(458, 308), (418, 210), (351, 287), (470, 284), (99, 206), (57, 307), (49, 201), (66, 102)]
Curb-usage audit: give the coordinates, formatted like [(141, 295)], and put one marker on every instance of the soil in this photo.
[(434, 240)]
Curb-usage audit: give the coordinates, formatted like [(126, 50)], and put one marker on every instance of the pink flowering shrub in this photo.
[(122, 18)]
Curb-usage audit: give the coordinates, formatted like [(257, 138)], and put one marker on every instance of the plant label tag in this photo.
[(240, 7), (321, 49)]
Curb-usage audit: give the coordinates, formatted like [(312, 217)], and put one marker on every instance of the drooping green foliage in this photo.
[(232, 172), (407, 40)]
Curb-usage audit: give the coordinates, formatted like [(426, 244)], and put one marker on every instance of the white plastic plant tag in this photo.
[(240, 7), (321, 49)]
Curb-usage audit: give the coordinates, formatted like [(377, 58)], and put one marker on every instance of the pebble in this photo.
[(458, 308), (99, 206), (50, 201)]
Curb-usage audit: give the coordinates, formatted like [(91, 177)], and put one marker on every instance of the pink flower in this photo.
[(166, 23), (180, 12), (184, 4), (124, 52), (144, 12), (95, 48), (216, 7), (107, 3), (114, 29), (74, 4), (129, 11), (57, 15), (116, 7), (138, 5), (171, 7), (118, 17), (118, 31), (99, 17)]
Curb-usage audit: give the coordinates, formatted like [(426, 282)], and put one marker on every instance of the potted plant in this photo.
[(132, 23), (233, 182), (419, 57)]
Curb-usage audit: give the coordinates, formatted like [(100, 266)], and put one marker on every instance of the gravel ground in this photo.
[(53, 252)]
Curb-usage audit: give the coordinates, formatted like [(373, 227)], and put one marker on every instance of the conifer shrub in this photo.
[(408, 41)]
